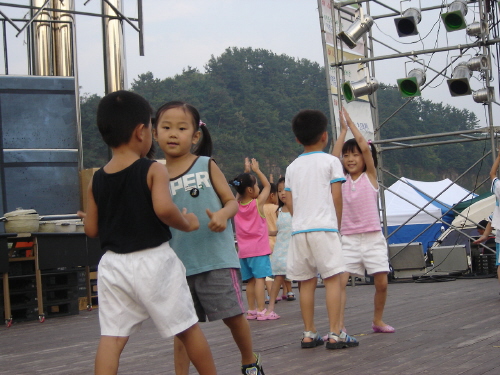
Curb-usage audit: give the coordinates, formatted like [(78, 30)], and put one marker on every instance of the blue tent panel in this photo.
[(407, 234)]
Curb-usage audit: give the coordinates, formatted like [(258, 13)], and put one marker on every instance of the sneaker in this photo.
[(253, 368)]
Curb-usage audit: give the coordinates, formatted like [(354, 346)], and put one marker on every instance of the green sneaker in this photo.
[(253, 368)]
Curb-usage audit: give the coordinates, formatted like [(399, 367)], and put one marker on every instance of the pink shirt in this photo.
[(359, 206), (251, 231)]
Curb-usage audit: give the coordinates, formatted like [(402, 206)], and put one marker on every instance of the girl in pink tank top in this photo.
[(252, 236), (363, 244)]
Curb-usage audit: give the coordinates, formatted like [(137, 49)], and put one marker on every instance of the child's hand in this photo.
[(247, 165), (346, 118), (255, 165), (343, 123), (191, 218), (217, 223)]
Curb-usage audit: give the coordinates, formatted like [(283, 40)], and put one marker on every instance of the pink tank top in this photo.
[(251, 231), (359, 206)]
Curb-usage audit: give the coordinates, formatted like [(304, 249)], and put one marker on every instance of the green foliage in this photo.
[(247, 97)]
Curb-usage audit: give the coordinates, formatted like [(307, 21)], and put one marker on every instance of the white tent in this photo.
[(475, 213), (416, 195)]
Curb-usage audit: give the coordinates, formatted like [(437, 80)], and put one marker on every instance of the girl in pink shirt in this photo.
[(363, 244), (252, 236)]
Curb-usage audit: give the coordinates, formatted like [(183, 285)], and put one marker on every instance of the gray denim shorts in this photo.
[(217, 294)]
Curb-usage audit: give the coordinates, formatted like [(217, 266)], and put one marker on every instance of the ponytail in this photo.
[(205, 146)]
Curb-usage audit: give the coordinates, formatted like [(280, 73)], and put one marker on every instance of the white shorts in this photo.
[(365, 251), (312, 253), (144, 284)]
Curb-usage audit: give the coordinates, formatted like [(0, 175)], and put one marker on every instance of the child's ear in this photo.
[(196, 137), (139, 131)]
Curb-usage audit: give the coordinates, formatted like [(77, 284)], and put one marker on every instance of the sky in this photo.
[(178, 34)]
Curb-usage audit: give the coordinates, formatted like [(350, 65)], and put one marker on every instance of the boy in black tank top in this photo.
[(130, 209)]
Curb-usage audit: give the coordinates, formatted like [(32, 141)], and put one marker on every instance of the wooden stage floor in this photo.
[(441, 328)]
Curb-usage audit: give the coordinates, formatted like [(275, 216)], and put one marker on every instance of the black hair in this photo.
[(243, 181), (119, 113), (280, 202), (351, 145), (482, 224), (274, 188), (309, 125), (204, 147)]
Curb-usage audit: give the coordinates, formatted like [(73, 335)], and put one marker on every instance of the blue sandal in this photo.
[(316, 340), (342, 341)]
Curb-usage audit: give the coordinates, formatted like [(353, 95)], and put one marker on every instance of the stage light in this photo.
[(484, 95), (454, 19), (360, 26), (407, 24), (410, 86), (353, 90), (459, 83), (477, 29), (478, 63)]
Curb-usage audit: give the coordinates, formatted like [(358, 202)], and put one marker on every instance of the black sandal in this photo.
[(317, 340)]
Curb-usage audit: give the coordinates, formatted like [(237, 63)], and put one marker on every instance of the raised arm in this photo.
[(266, 186), (494, 167), (371, 171), (337, 148)]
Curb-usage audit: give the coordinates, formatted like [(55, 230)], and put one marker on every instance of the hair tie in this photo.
[(202, 123), (369, 141), (236, 183)]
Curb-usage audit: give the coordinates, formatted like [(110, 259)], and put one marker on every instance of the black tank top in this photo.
[(127, 221)]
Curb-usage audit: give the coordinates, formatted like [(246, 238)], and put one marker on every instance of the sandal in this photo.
[(290, 296), (342, 341), (251, 314), (271, 316), (317, 340), (383, 329)]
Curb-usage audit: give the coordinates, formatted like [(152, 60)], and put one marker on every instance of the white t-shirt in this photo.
[(309, 179), (495, 222)]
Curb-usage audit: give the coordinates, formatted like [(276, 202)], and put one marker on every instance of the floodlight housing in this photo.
[(407, 24), (410, 86), (358, 28), (454, 19), (478, 63), (484, 95), (353, 90), (477, 29), (459, 83)]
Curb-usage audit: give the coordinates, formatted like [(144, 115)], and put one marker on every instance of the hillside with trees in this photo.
[(247, 97)]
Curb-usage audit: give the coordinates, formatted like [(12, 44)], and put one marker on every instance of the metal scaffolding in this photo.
[(484, 40)]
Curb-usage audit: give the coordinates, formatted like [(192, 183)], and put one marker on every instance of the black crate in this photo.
[(25, 313), (82, 291), (22, 284), (63, 295), (81, 277), (59, 279), (23, 299), (21, 268), (60, 309)]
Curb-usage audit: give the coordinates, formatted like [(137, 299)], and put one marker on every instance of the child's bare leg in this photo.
[(307, 289), (269, 285), (274, 293), (287, 285), (251, 293), (108, 354), (240, 329), (260, 293), (181, 358), (380, 281), (332, 287), (198, 350), (344, 278)]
